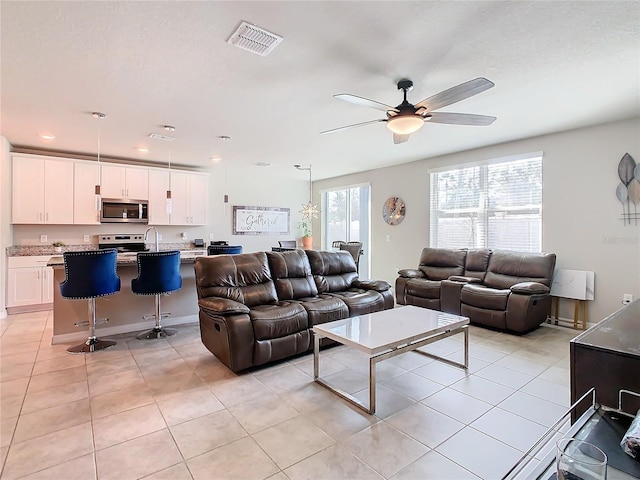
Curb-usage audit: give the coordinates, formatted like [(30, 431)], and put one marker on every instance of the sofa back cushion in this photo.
[(508, 268), (442, 263), (245, 278), (291, 274), (477, 263), (332, 271)]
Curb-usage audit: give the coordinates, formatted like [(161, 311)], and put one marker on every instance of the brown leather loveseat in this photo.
[(260, 307), (494, 288)]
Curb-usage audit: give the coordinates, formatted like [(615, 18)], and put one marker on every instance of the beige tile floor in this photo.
[(168, 409)]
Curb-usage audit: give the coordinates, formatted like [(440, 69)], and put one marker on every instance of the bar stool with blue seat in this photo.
[(158, 273), (89, 275)]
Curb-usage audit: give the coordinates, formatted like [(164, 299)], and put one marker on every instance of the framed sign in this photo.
[(260, 220)]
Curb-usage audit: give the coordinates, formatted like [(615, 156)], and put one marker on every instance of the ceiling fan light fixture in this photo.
[(405, 124)]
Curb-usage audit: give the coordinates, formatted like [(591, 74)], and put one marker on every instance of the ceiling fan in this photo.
[(407, 118)]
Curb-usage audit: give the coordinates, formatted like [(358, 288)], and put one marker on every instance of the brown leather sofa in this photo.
[(498, 289), (260, 307)]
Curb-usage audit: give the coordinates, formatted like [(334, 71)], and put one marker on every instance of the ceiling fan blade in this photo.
[(459, 119), (456, 94), (400, 138), (364, 102), (354, 125)]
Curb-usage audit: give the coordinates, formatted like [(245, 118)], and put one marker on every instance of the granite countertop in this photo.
[(43, 250), (123, 260)]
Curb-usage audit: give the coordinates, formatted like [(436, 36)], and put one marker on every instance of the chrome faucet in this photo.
[(146, 234)]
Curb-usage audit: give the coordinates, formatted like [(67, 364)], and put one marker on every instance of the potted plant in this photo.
[(307, 239), (57, 246)]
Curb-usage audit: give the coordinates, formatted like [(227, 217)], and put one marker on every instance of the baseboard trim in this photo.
[(30, 308), (121, 329)]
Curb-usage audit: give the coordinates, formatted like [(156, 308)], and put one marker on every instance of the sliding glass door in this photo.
[(346, 218)]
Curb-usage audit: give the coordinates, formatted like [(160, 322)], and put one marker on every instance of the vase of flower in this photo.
[(57, 247)]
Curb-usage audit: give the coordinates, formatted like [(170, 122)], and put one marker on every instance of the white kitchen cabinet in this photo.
[(125, 182), (30, 284), (42, 190), (158, 186), (190, 198), (86, 210)]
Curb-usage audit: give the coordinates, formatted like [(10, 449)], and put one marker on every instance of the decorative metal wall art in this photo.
[(628, 190)]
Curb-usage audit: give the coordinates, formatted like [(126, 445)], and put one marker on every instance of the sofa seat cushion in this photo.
[(420, 287), (324, 308), (278, 320), (485, 297), (361, 302)]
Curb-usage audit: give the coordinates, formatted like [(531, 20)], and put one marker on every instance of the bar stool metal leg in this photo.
[(93, 343), (158, 331)]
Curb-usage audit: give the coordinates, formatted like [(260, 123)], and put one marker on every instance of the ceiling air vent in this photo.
[(159, 136), (254, 39)]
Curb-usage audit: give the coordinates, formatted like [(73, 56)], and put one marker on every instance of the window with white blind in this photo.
[(497, 204)]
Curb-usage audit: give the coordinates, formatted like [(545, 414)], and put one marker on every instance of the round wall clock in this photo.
[(393, 210)]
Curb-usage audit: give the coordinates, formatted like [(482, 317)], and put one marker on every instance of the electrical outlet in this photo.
[(211, 237), (43, 239), (627, 298), (183, 235), (87, 238), (388, 238), (159, 236)]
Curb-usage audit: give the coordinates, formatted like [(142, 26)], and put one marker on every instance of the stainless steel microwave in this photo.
[(124, 210)]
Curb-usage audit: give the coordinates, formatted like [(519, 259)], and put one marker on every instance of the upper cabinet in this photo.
[(62, 191), (42, 190), (190, 198), (86, 210), (124, 182), (158, 186)]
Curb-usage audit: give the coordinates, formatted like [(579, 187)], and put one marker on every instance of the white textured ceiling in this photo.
[(557, 65)]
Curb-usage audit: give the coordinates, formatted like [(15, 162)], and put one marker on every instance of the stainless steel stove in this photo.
[(125, 243)]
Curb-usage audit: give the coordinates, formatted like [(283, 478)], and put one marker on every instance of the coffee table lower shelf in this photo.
[(374, 359)]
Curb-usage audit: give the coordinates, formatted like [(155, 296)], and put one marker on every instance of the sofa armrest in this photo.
[(411, 273), (530, 288), (461, 279), (377, 285), (222, 306)]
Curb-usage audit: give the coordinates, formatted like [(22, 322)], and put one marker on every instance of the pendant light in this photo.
[(309, 210), (99, 116), (169, 202)]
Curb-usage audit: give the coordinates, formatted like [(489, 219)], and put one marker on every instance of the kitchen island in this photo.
[(123, 309)]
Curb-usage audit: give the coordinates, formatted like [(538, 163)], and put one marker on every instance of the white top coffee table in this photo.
[(388, 333)]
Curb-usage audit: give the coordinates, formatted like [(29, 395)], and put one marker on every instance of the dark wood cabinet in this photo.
[(607, 357)]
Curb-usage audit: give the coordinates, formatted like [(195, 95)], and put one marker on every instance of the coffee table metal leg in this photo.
[(372, 385), (316, 356), (466, 348), (371, 409)]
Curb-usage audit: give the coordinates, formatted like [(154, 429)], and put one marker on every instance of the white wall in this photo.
[(580, 210)]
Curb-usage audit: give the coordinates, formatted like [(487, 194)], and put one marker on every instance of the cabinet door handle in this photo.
[(40, 216), (38, 275), (47, 216)]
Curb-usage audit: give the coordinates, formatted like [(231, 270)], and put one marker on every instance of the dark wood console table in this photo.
[(607, 357)]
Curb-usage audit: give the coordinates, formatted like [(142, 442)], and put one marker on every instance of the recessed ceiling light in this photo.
[(169, 128), (224, 138), (142, 149), (216, 159), (262, 164), (47, 137)]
